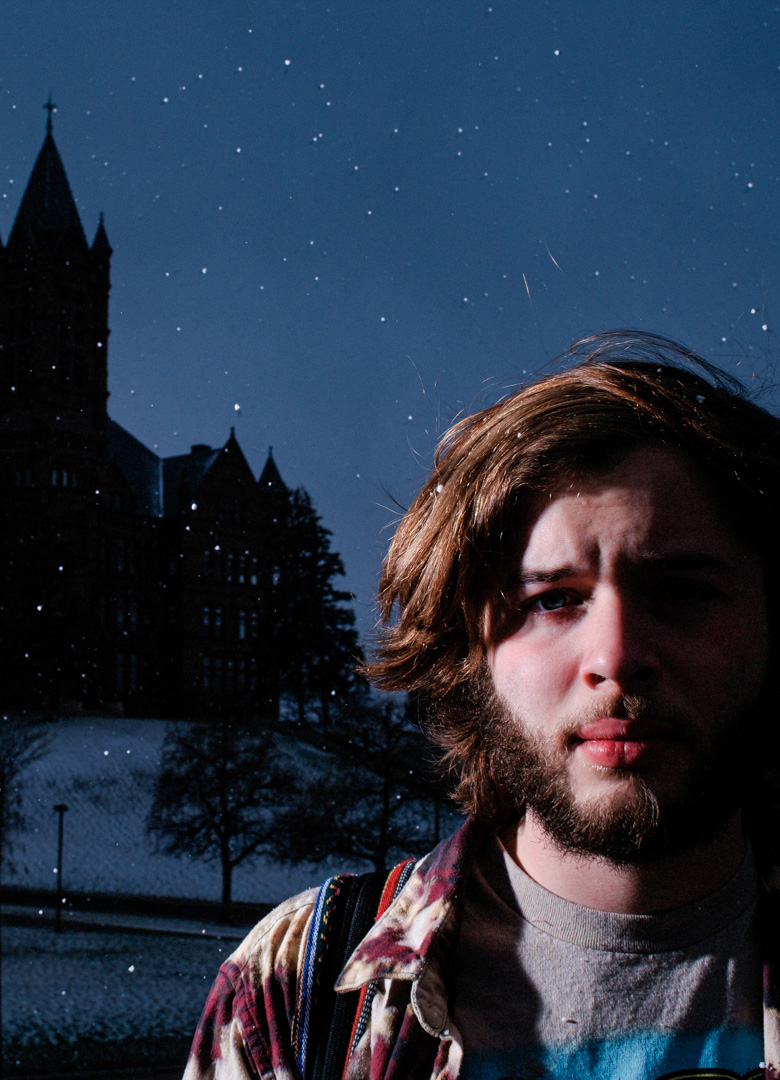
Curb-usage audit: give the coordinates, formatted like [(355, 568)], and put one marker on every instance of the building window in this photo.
[(218, 622), (62, 478), (241, 625), (206, 619)]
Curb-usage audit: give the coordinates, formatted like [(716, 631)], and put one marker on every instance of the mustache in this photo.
[(632, 708)]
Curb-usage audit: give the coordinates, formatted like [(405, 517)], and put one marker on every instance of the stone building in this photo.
[(127, 582)]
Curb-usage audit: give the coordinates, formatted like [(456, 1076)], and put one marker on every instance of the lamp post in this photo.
[(60, 808)]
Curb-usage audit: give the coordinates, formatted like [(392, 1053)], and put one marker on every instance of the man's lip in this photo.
[(608, 728)]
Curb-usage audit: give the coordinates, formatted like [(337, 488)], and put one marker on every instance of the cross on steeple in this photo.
[(50, 107)]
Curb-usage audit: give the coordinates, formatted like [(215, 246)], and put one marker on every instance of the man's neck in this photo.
[(633, 890)]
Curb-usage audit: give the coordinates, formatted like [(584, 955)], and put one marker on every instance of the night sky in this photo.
[(337, 225)]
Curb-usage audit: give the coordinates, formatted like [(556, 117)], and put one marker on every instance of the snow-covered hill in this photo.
[(103, 770)]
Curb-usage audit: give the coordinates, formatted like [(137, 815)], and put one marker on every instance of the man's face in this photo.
[(628, 654)]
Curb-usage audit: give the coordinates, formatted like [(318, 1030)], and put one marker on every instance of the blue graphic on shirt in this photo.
[(733, 1053)]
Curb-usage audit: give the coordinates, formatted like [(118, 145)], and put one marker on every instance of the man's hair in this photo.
[(626, 389)]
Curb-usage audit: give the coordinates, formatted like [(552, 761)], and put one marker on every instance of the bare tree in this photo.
[(21, 744), (214, 795), (373, 798)]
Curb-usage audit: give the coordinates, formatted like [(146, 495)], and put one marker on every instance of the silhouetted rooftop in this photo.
[(48, 207), (100, 243), (270, 477), (140, 467), (182, 475)]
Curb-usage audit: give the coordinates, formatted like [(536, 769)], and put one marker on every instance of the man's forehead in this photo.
[(653, 503)]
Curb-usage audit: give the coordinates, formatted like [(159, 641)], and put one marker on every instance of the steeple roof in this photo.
[(48, 206), (270, 476), (100, 243)]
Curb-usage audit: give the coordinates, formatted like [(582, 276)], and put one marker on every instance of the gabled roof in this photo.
[(140, 467), (163, 487), (48, 206), (183, 475), (226, 468)]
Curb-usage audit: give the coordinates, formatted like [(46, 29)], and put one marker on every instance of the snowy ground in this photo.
[(92, 999), (103, 770), (89, 999)]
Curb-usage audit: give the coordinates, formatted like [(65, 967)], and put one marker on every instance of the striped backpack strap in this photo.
[(395, 881), (327, 1025)]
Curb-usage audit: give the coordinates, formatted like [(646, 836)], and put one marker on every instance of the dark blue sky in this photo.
[(354, 220)]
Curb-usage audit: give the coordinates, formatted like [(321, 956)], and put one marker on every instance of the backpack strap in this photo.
[(396, 880), (326, 1025)]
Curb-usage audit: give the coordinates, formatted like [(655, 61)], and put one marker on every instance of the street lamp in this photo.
[(60, 808)]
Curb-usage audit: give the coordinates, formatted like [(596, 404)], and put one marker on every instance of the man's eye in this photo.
[(554, 600), (684, 591)]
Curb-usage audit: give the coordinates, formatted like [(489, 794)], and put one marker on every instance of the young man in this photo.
[(585, 592)]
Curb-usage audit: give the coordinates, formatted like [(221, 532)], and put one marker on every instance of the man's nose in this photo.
[(617, 643)]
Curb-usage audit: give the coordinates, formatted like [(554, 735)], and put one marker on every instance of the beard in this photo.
[(630, 823)]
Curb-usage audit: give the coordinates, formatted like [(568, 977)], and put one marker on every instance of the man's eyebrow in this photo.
[(539, 577), (655, 561), (686, 560)]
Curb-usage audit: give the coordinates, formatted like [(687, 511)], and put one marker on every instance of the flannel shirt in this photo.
[(245, 1030)]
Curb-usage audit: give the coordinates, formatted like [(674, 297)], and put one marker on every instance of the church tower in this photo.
[(54, 291), (54, 307)]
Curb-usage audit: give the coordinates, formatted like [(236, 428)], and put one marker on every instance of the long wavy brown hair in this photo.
[(444, 564)]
